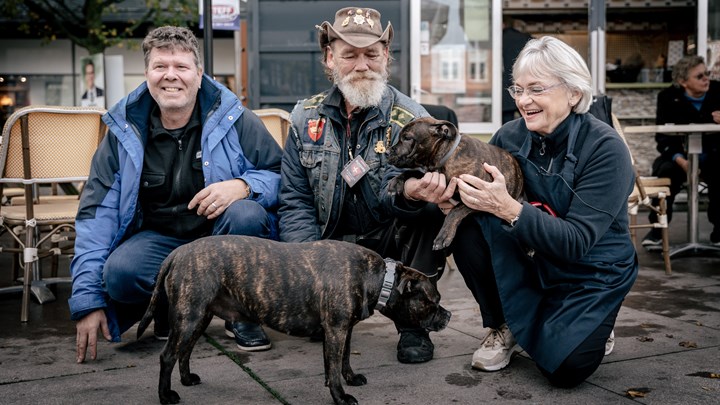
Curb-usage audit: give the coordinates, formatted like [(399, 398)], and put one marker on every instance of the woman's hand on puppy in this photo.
[(491, 197)]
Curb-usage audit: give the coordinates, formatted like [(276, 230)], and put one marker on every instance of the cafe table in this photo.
[(693, 134)]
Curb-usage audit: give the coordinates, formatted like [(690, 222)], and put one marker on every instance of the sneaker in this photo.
[(415, 347), (610, 344), (249, 337), (496, 350), (653, 238)]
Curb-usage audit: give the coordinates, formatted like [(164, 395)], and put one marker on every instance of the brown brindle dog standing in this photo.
[(430, 145), (297, 288)]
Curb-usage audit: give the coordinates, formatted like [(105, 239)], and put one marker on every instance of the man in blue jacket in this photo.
[(335, 170), (182, 159)]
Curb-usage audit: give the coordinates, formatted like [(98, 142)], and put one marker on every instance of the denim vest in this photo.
[(315, 127)]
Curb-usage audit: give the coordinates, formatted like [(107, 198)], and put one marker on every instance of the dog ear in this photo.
[(408, 277), (447, 129), (404, 285)]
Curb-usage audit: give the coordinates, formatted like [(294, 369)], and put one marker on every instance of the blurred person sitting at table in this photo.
[(692, 99), (550, 273), (182, 159)]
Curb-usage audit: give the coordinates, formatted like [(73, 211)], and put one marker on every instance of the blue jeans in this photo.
[(131, 269)]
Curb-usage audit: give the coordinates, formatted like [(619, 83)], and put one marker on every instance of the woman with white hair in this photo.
[(551, 272)]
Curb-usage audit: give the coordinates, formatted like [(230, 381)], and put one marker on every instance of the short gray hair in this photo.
[(681, 69), (169, 37), (549, 57)]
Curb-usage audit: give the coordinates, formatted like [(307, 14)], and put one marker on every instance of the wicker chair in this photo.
[(647, 190), (45, 144), (277, 121)]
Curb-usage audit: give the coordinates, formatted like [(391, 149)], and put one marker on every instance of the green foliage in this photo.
[(87, 24)]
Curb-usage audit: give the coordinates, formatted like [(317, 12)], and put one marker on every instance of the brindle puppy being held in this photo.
[(297, 288), (427, 144)]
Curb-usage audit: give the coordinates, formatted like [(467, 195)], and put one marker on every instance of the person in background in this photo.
[(691, 99), (335, 170), (513, 41), (182, 159), (550, 273), (93, 95), (715, 70)]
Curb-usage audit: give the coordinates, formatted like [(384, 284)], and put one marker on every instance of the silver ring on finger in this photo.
[(214, 205)]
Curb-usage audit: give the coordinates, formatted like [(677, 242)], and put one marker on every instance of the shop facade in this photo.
[(445, 52)]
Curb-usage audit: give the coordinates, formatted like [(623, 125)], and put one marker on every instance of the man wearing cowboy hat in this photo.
[(335, 171)]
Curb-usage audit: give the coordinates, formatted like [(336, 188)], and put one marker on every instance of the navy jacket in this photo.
[(560, 277), (674, 108)]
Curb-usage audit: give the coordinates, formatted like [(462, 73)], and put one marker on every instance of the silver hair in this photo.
[(681, 69), (549, 57)]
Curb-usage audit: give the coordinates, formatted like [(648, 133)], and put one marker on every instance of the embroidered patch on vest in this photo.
[(315, 128), (314, 101), (400, 116)]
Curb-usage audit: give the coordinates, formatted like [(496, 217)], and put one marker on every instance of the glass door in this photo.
[(452, 64)]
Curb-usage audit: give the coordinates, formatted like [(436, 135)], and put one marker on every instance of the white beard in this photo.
[(362, 90)]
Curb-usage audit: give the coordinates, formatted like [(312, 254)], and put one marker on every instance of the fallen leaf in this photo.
[(698, 323), (688, 344), (646, 325), (355, 352), (637, 392), (645, 339), (705, 374)]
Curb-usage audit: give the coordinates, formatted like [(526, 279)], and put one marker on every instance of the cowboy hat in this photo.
[(359, 27)]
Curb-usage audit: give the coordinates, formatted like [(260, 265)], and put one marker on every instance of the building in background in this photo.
[(446, 52)]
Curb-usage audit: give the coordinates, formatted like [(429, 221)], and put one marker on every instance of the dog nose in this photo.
[(440, 319)]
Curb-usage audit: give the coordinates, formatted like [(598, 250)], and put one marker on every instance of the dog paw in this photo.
[(347, 399), (192, 379), (396, 186), (170, 397), (441, 242), (356, 380)]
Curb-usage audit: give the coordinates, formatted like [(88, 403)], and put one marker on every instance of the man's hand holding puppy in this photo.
[(432, 188)]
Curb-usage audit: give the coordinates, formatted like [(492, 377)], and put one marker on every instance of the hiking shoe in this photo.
[(653, 238), (610, 344), (415, 346), (249, 337), (496, 350)]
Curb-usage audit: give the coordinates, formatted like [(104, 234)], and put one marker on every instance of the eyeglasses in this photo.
[(516, 91), (702, 75)]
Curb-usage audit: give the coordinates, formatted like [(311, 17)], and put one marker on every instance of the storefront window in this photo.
[(713, 58), (455, 49), (17, 91)]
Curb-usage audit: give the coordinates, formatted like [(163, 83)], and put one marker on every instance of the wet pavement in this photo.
[(667, 352)]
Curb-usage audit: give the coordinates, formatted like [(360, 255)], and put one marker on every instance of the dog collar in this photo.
[(450, 152), (387, 286)]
